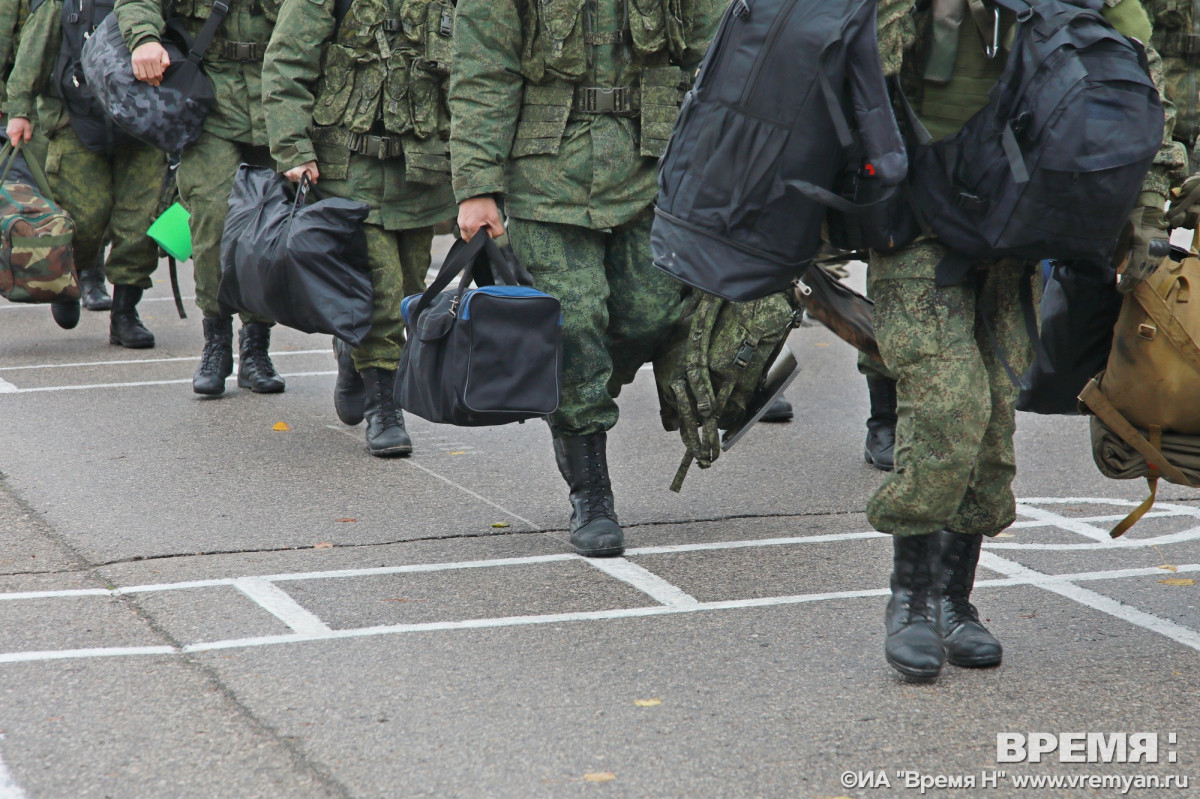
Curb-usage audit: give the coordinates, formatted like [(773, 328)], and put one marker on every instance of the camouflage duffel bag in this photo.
[(36, 260)]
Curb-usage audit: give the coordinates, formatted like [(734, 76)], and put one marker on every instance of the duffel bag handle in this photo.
[(461, 258), (8, 157)]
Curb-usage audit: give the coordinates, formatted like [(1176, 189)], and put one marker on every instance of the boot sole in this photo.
[(205, 393), (98, 306), (243, 383), (909, 671), (391, 452), (131, 345), (867, 457), (968, 663), (611, 552)]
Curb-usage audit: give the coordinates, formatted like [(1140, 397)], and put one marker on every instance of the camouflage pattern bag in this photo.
[(36, 260), (715, 365)]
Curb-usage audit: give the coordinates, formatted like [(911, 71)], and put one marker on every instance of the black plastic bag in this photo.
[(1079, 309), (482, 356), (305, 266)]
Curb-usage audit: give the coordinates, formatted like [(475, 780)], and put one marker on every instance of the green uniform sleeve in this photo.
[(8, 38), (485, 94), (141, 20), (34, 61), (701, 26), (896, 32), (290, 71), (1170, 164)]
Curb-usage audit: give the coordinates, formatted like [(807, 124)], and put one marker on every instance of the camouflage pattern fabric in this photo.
[(956, 404), (205, 178), (618, 310), (12, 19), (33, 66), (587, 170), (1173, 21), (111, 198), (237, 114), (36, 263), (399, 261)]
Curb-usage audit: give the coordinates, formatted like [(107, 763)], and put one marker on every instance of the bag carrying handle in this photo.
[(8, 157), (462, 258)]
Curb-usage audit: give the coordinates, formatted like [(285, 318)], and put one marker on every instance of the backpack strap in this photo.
[(1093, 396), (220, 10), (1156, 307), (1137, 513)]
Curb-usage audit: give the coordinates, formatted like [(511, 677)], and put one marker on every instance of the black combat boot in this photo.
[(967, 642), (913, 645), (124, 326), (386, 436), (349, 394), (255, 370), (65, 312), (91, 286), (880, 449), (779, 411), (595, 531), (216, 361)]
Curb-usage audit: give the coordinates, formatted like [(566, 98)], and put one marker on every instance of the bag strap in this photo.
[(220, 10), (1137, 513), (1156, 307), (11, 151), (1094, 398), (461, 257)]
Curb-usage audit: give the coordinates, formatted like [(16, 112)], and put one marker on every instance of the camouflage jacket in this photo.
[(904, 41), (523, 71), (1177, 40), (233, 62), (29, 91), (355, 89), (12, 19)]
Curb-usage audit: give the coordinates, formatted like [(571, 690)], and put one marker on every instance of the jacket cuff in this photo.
[(1155, 188), (294, 155), (141, 35), (466, 187)]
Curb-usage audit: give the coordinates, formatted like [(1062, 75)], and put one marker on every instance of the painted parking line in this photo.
[(141, 383), (137, 361), (30, 306)]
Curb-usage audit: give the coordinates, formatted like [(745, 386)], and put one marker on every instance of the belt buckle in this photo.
[(600, 100)]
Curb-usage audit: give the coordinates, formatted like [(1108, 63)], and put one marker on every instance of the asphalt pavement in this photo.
[(230, 598)]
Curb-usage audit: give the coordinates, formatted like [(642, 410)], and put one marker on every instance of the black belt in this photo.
[(615, 100), (381, 147), (241, 51)]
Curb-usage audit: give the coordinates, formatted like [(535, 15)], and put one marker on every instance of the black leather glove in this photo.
[(1144, 241)]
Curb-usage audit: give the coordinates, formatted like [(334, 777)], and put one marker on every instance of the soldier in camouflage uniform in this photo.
[(560, 109), (108, 194), (1177, 40), (13, 15), (234, 132), (955, 463), (361, 106)]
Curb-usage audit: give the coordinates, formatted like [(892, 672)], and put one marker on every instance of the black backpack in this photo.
[(788, 93), (95, 129), (1053, 164)]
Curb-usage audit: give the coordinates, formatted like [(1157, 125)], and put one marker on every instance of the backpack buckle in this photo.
[(745, 354)]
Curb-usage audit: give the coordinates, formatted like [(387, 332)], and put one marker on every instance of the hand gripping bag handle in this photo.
[(462, 258)]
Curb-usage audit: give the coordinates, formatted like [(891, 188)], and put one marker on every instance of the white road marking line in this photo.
[(1095, 601), (142, 383), (1052, 519), (8, 786), (104, 652), (134, 361), (282, 606), (7, 387), (754, 542), (645, 581), (448, 481)]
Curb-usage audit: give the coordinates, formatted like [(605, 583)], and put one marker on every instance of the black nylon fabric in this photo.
[(169, 116), (88, 118), (1079, 310), (788, 90), (485, 356), (1083, 123), (304, 266)]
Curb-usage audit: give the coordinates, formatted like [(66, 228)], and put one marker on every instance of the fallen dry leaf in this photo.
[(457, 452), (281, 426), (647, 702), (1004, 535), (599, 776), (1178, 581), (345, 520), (323, 545), (1169, 568), (500, 524)]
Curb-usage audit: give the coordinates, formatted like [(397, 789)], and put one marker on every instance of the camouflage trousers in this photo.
[(205, 178), (113, 194), (617, 310), (956, 404), (399, 260)]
